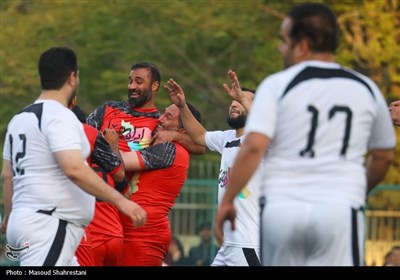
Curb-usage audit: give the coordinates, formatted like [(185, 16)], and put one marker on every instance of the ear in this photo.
[(73, 79), (155, 86), (302, 49)]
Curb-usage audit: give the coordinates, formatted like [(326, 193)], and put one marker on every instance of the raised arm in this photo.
[(192, 127), (236, 93)]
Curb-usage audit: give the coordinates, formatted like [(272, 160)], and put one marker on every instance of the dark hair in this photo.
[(80, 114), (195, 112), (248, 89), (317, 23), (202, 226), (55, 66), (154, 71)]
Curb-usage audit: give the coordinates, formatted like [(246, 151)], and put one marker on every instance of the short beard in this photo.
[(71, 99), (141, 100), (237, 122)]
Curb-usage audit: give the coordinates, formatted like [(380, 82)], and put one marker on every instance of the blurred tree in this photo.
[(194, 42)]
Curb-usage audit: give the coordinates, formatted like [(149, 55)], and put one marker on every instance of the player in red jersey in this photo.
[(134, 120), (106, 160), (164, 169)]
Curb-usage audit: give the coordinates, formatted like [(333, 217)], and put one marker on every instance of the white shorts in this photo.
[(236, 256), (36, 239), (296, 233)]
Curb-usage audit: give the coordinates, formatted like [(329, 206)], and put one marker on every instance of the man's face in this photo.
[(237, 114), (286, 47), (139, 87), (169, 120)]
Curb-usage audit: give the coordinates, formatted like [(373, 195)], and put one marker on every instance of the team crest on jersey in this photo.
[(136, 138), (223, 179)]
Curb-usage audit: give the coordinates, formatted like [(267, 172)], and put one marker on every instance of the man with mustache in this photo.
[(134, 120)]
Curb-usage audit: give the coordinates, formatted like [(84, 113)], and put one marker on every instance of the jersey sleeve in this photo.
[(157, 156), (215, 140), (96, 118), (382, 134), (104, 157)]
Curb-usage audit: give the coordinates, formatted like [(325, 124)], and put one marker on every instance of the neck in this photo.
[(327, 57), (239, 132), (56, 95)]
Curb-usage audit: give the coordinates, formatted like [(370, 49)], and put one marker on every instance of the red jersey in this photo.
[(156, 194), (133, 125), (101, 155)]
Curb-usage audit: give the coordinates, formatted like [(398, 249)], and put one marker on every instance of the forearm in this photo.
[(378, 163), (246, 103), (192, 127), (189, 143), (131, 161), (91, 183), (6, 177)]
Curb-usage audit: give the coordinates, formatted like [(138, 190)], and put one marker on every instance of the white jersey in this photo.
[(247, 233), (39, 183), (321, 119)]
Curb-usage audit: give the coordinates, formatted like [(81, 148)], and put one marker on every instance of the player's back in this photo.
[(322, 119), (33, 136)]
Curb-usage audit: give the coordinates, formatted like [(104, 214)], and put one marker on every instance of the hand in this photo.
[(175, 93), (133, 211), (235, 92), (111, 136), (226, 211), (3, 227), (164, 136), (394, 109)]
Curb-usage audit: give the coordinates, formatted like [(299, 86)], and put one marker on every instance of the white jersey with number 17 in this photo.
[(321, 119)]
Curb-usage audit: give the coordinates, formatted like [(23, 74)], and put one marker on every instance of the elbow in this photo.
[(72, 173), (385, 157), (198, 151)]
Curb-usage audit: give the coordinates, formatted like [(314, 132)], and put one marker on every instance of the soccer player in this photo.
[(163, 173), (240, 247), (106, 160), (134, 120), (318, 120), (45, 171)]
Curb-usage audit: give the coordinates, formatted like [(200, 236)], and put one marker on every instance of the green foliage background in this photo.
[(194, 42)]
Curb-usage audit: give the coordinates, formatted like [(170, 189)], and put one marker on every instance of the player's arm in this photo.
[(378, 163), (236, 93), (107, 156), (183, 139), (193, 128), (6, 176), (96, 118), (154, 157), (111, 158), (74, 167)]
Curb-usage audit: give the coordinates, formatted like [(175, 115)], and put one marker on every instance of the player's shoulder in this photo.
[(116, 104)]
